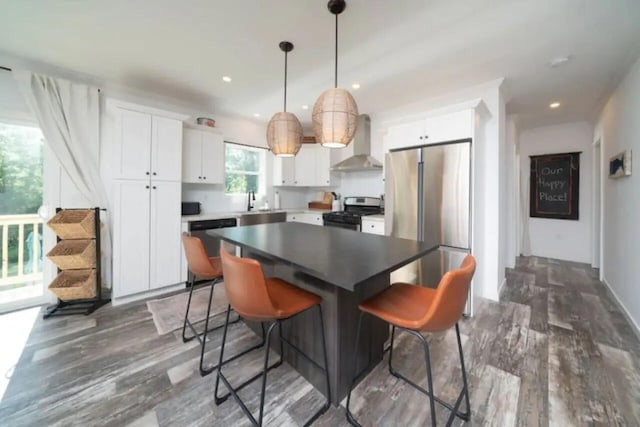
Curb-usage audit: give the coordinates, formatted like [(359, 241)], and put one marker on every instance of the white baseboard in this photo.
[(625, 312), (146, 295)]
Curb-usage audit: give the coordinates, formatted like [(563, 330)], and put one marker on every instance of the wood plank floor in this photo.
[(556, 351)]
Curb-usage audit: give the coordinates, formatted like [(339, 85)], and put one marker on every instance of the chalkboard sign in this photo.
[(554, 184)]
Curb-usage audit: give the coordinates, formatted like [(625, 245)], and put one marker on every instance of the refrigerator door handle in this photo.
[(420, 174)]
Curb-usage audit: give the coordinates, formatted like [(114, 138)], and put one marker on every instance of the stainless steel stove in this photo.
[(354, 209)]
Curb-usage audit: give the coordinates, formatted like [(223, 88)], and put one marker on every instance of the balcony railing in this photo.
[(15, 272)]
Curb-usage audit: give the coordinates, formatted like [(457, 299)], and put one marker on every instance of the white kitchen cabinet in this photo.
[(373, 226), (147, 246), (309, 168), (430, 130), (305, 217), (131, 237), (147, 195), (165, 242), (284, 171), (147, 145), (203, 157)]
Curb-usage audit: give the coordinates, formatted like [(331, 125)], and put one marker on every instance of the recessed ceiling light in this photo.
[(305, 107), (226, 79), (256, 114), (356, 86), (554, 105), (559, 61)]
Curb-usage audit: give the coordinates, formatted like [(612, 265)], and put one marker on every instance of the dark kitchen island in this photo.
[(342, 266)]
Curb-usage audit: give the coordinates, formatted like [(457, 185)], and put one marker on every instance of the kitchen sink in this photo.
[(262, 218)]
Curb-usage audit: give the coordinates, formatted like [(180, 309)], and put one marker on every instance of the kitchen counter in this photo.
[(343, 267), (218, 215)]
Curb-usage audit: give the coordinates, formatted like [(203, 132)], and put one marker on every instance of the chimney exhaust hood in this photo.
[(361, 159)]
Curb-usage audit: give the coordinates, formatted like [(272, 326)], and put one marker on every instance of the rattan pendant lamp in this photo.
[(284, 131), (335, 113)]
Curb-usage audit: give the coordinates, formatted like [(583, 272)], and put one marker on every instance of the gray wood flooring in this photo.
[(556, 351)]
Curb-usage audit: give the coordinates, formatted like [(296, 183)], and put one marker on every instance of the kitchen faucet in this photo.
[(251, 195)]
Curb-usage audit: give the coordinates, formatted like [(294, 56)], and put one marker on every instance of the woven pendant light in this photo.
[(335, 112), (284, 131)]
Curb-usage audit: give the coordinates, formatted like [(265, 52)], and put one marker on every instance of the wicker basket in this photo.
[(74, 224), (72, 285), (74, 254)]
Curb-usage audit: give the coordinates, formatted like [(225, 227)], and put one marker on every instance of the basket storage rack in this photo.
[(78, 284)]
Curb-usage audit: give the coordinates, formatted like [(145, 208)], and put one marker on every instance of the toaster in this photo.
[(190, 208)]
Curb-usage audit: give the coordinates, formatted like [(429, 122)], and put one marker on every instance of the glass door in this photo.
[(21, 228)]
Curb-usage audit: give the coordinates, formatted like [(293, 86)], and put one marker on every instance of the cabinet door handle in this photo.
[(199, 177), (154, 173), (154, 187), (283, 181), (146, 173), (372, 226), (420, 136), (147, 187), (426, 137), (204, 177)]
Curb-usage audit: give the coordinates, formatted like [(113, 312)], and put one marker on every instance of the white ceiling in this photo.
[(399, 51)]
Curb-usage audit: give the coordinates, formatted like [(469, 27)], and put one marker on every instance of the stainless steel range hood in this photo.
[(361, 159)]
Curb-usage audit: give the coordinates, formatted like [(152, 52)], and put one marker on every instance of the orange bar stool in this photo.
[(271, 300), (209, 270), (417, 309)]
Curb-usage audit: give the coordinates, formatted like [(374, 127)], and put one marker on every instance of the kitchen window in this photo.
[(245, 169)]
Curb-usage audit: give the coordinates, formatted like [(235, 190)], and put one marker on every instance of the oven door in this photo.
[(329, 223)]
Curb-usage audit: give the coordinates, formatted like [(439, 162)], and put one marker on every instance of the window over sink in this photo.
[(245, 169)]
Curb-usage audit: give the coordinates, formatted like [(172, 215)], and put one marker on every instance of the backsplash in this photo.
[(214, 199)]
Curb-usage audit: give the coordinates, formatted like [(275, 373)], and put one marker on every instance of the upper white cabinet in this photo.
[(430, 130), (148, 145), (203, 157), (309, 168)]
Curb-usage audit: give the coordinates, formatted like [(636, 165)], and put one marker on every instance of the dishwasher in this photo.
[(211, 243)]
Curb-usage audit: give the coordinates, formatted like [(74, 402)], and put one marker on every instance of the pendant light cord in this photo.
[(285, 81), (335, 81)]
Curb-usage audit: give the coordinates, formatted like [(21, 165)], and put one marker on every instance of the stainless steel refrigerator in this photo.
[(428, 198)]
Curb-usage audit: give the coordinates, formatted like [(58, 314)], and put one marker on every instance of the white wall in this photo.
[(618, 129), (557, 238), (486, 237)]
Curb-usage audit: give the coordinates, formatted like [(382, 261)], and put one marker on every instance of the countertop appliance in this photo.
[(211, 243), (190, 208), (428, 193), (354, 209)]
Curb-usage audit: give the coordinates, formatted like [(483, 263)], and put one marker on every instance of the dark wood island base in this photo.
[(340, 308)]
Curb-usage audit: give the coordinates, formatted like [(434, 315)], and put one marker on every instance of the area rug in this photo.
[(168, 313)]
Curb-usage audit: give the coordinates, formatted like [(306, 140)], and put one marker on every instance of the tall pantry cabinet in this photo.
[(147, 196)]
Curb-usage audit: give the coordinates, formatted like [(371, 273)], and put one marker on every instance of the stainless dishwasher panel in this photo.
[(211, 243)]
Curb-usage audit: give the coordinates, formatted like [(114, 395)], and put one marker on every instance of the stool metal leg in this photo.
[(266, 368), (186, 315), (466, 415), (350, 416)]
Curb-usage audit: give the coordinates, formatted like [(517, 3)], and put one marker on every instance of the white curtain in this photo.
[(69, 117)]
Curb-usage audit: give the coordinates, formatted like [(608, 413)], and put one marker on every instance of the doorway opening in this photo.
[(21, 194)]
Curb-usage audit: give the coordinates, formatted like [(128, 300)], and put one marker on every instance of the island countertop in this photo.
[(342, 257)]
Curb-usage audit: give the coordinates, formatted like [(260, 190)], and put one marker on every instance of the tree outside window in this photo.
[(244, 169)]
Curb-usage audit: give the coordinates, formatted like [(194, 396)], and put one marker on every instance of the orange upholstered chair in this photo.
[(418, 309), (266, 300)]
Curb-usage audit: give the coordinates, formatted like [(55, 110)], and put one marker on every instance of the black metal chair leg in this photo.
[(267, 349), (221, 357), (186, 317), (393, 334), (465, 415), (206, 371), (427, 356), (350, 416), (326, 372)]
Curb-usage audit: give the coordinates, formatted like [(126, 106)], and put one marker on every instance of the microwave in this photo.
[(190, 208)]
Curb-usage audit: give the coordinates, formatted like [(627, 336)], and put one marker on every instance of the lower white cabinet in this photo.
[(373, 226), (305, 217), (146, 241)]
